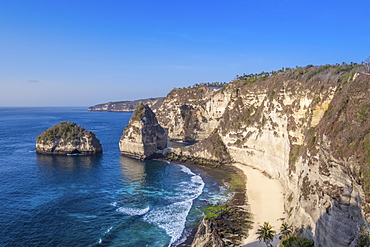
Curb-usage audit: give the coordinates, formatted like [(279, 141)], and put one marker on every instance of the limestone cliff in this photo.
[(143, 137), (308, 127), (191, 114), (67, 138), (127, 106)]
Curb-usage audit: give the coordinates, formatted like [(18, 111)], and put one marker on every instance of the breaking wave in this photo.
[(172, 217)]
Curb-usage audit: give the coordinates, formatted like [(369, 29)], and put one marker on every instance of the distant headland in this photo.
[(127, 106)]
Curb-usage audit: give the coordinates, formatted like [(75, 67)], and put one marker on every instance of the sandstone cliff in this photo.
[(67, 138), (308, 127), (127, 106), (143, 137)]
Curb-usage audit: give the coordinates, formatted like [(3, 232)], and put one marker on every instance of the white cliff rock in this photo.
[(143, 137)]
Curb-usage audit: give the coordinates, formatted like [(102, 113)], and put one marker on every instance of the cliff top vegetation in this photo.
[(138, 113), (208, 84), (68, 131), (325, 73)]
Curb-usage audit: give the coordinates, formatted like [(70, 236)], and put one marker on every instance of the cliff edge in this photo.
[(67, 138), (306, 127), (143, 137)]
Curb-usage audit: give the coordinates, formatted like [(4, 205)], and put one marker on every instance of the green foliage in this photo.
[(364, 112), (214, 211), (138, 113), (68, 131), (251, 78), (364, 238), (297, 241), (286, 229), (266, 233), (207, 84), (294, 154)]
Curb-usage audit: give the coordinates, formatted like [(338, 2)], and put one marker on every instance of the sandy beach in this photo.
[(266, 202)]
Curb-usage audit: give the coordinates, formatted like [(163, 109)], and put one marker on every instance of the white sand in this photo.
[(266, 201)]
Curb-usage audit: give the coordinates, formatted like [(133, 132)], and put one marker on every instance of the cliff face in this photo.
[(143, 137), (67, 138), (308, 127), (192, 114), (127, 106)]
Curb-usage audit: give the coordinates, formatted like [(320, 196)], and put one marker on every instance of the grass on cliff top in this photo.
[(68, 131), (138, 113)]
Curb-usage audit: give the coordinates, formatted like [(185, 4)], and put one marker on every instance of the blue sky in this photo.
[(85, 52)]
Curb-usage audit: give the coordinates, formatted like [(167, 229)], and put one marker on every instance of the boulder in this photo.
[(143, 137), (67, 138)]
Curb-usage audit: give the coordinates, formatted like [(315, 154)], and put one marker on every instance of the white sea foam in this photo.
[(172, 217), (133, 211)]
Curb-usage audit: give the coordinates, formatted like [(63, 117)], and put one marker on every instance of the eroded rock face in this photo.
[(143, 137), (309, 128), (191, 114), (67, 138)]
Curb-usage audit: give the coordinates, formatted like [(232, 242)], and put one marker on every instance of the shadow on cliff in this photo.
[(340, 225)]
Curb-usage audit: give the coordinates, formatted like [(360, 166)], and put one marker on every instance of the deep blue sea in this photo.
[(105, 200)]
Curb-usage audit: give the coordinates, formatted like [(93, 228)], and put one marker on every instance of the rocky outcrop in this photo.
[(127, 106), (307, 127), (191, 114), (143, 137), (67, 138), (207, 235)]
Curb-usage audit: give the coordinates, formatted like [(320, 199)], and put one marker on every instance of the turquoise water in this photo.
[(105, 200)]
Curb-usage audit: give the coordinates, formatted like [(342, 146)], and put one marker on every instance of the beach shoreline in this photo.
[(265, 199)]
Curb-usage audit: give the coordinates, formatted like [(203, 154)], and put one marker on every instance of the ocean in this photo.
[(103, 200)]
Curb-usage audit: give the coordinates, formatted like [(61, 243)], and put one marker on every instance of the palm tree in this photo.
[(285, 229), (266, 234)]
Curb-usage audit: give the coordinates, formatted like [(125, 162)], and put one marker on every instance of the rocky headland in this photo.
[(143, 137), (307, 128), (127, 106), (67, 138)]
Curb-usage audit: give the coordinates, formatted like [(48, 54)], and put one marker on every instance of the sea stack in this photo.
[(68, 138), (143, 137)]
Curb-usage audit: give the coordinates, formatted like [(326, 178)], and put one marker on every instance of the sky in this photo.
[(85, 52)]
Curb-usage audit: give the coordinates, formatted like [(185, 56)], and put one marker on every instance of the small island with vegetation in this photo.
[(68, 138)]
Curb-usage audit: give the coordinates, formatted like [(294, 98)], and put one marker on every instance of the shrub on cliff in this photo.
[(68, 131)]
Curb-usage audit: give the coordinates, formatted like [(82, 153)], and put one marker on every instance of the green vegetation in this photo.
[(207, 84), (296, 241), (266, 233), (294, 154), (364, 112), (325, 73), (214, 211), (285, 229), (138, 113), (67, 131), (364, 238)]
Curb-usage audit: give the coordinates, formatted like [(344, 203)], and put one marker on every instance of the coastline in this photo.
[(265, 199), (235, 217)]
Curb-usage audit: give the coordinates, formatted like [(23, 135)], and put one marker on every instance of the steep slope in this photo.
[(191, 114), (307, 127), (143, 137)]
